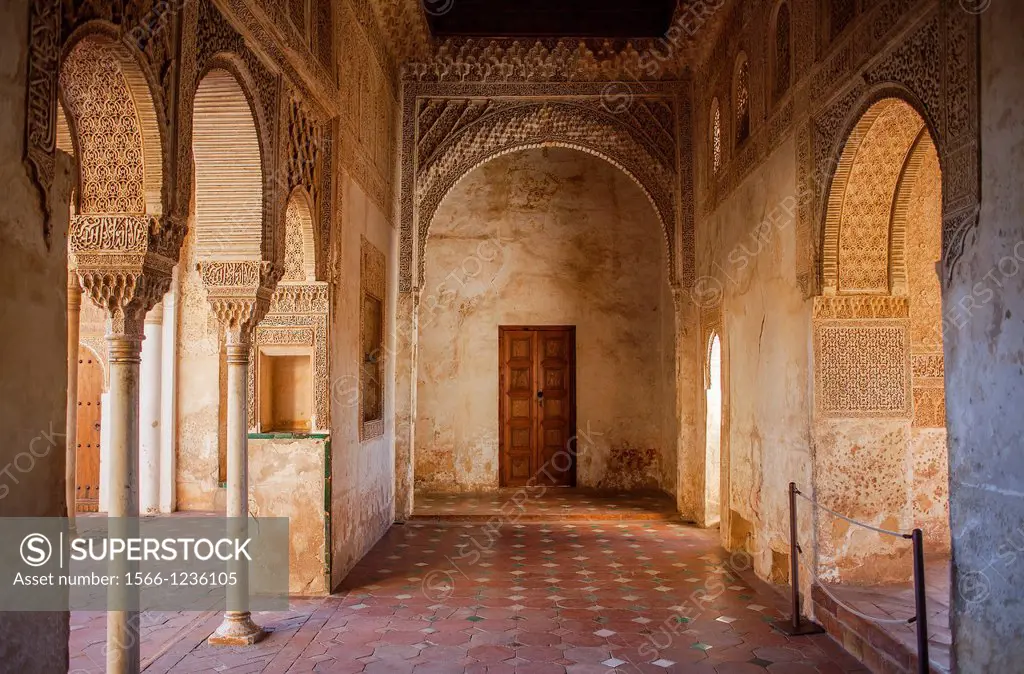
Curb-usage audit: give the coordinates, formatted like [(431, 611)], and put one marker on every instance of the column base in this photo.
[(238, 629)]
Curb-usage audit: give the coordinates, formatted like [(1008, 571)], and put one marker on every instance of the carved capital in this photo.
[(125, 294), (239, 294)]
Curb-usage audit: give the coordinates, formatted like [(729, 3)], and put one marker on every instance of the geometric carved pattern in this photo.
[(742, 98), (862, 369), (861, 307), (456, 135), (862, 257), (299, 251), (934, 65), (515, 60), (716, 137), (109, 134), (42, 102), (929, 407)]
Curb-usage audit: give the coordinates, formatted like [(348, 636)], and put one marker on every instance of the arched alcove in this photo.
[(546, 237), (880, 407)]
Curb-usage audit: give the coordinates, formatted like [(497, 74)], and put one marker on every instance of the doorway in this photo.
[(537, 405), (87, 462)]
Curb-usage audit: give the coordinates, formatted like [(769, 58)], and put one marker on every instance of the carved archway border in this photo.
[(152, 115), (518, 125), (935, 70)]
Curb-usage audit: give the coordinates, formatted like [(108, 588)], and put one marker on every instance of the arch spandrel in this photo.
[(541, 124)]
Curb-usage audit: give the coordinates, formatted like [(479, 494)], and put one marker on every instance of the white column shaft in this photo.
[(150, 409), (123, 499)]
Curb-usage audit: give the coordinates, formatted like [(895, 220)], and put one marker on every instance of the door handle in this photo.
[(540, 397)]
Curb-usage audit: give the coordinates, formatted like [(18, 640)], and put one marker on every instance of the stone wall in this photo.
[(746, 259), (33, 305), (547, 237), (362, 472), (984, 340)]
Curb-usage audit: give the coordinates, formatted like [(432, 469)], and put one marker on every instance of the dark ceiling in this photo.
[(549, 18)]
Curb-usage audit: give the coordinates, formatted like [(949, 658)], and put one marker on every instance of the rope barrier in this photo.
[(841, 516), (798, 627), (840, 602)]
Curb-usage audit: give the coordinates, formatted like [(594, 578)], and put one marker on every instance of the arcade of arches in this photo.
[(600, 301)]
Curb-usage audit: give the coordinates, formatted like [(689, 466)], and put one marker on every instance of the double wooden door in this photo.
[(537, 406), (87, 461)]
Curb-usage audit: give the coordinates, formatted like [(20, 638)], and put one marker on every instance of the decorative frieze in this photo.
[(861, 307)]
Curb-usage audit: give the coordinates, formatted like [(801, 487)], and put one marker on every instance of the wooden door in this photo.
[(537, 406), (87, 467)]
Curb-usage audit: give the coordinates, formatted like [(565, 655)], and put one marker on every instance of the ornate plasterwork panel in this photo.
[(861, 307), (862, 368), (298, 316), (108, 131), (41, 114), (449, 136), (508, 60), (372, 283), (862, 248), (925, 53), (366, 138)]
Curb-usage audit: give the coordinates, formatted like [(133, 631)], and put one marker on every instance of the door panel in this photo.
[(536, 405), (556, 423), (518, 409), (87, 461)]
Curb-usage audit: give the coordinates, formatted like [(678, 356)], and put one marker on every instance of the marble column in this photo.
[(71, 439), (238, 628), (149, 438), (124, 351), (239, 294), (125, 283)]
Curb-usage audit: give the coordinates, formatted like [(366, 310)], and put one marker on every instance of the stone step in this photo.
[(879, 650)]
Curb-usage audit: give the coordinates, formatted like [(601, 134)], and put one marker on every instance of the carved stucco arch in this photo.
[(233, 84), (108, 100), (915, 71), (534, 125), (299, 213), (876, 159)]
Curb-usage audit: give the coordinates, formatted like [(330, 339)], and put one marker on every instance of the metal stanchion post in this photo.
[(796, 626), (921, 620)]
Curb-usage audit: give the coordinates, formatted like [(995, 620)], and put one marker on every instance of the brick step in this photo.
[(878, 649)]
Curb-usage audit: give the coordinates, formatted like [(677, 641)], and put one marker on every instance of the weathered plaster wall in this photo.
[(984, 340), (286, 479), (746, 260), (363, 473), (198, 390), (33, 337), (547, 237)]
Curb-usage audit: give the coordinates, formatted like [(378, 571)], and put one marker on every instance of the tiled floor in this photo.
[(545, 504), (572, 597), (897, 601)]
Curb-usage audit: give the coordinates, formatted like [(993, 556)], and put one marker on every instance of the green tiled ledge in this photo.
[(289, 436)]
